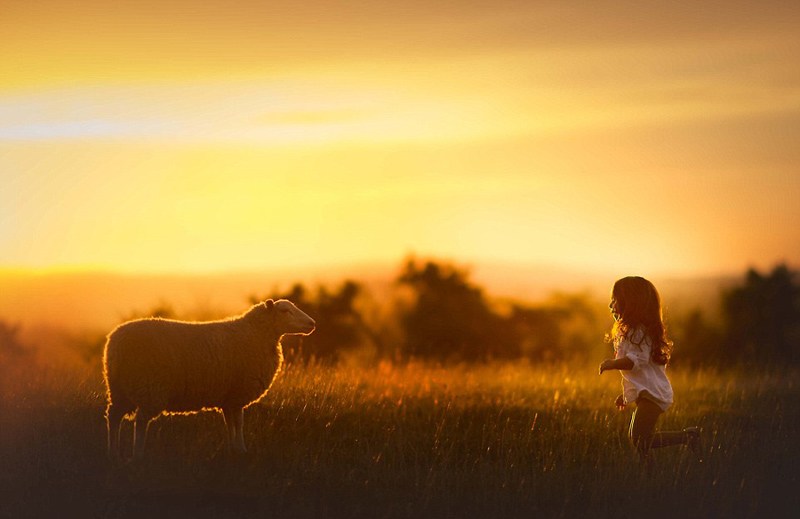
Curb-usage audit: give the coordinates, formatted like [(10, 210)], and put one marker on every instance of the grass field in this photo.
[(410, 441)]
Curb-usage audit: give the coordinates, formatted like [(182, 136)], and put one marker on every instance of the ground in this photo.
[(508, 440)]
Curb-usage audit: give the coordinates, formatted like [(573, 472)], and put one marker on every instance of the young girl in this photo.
[(642, 353)]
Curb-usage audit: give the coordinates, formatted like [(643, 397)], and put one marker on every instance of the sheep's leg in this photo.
[(238, 418), (114, 415), (140, 427), (234, 418), (230, 427)]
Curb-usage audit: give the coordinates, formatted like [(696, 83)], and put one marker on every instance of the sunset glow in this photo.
[(215, 136)]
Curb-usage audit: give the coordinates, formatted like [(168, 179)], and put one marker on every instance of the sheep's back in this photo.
[(167, 365)]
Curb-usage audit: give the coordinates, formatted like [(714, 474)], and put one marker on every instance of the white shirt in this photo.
[(646, 375)]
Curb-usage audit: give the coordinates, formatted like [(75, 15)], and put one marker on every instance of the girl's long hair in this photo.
[(638, 305)]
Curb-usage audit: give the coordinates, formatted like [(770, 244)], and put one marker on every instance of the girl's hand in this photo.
[(606, 365), (620, 403)]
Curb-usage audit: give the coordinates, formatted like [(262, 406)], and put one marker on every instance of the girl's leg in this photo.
[(643, 433), (643, 425), (668, 438)]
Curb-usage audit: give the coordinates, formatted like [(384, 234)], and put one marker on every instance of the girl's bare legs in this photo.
[(642, 432)]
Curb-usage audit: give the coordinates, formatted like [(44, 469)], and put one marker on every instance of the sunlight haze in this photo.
[(209, 137)]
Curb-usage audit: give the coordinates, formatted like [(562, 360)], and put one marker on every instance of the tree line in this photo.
[(436, 313), (760, 323), (441, 315)]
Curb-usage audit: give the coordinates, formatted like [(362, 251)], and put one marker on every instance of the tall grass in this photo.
[(505, 440)]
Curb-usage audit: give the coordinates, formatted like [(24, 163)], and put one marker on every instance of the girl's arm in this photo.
[(623, 363)]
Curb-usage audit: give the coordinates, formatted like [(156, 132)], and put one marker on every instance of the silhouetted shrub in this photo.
[(450, 318), (697, 339), (762, 318)]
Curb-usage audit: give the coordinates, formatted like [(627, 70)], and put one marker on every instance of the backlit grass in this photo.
[(506, 440)]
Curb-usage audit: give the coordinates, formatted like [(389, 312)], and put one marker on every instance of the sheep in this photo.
[(159, 366)]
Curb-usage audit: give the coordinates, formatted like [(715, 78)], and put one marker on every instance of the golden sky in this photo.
[(636, 137)]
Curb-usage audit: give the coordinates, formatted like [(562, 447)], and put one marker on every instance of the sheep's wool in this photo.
[(154, 366)]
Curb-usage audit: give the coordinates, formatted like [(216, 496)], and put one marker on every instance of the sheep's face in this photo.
[(291, 320)]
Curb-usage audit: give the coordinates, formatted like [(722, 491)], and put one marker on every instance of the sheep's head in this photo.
[(289, 319)]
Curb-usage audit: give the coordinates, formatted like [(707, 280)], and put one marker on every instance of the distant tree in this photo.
[(697, 340), (10, 344), (762, 318), (582, 322), (16, 361), (563, 327), (537, 331), (450, 318), (341, 326)]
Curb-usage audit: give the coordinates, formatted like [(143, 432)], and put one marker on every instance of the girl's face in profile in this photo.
[(613, 307)]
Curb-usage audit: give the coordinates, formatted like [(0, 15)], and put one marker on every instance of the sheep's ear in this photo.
[(269, 304)]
